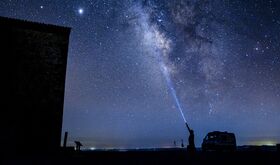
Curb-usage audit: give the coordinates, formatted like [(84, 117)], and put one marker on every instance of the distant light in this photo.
[(264, 142), (92, 148), (41, 7), (81, 11), (269, 143)]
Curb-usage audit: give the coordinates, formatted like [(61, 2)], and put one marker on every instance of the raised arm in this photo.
[(188, 127)]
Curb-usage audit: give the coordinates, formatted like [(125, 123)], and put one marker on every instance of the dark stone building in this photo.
[(33, 69)]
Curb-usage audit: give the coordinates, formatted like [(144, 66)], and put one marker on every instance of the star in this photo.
[(81, 11)]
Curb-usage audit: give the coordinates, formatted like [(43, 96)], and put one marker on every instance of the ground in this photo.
[(179, 156)]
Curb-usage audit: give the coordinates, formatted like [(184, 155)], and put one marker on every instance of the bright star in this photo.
[(81, 11)]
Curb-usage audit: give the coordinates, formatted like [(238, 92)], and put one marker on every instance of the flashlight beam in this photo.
[(173, 91)]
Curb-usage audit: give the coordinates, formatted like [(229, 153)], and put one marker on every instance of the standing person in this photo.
[(191, 146)]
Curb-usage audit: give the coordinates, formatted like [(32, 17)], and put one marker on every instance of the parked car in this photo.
[(219, 141)]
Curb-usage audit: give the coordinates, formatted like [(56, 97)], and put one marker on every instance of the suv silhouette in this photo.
[(219, 141)]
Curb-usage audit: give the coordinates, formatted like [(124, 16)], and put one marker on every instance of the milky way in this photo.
[(133, 64)]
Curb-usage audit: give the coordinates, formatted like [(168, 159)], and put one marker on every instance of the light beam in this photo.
[(170, 85)]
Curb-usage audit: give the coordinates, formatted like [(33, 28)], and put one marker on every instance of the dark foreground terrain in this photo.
[(178, 156)]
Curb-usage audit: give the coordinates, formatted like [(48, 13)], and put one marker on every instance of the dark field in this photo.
[(177, 156)]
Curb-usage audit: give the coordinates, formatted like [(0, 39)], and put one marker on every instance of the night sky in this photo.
[(132, 65)]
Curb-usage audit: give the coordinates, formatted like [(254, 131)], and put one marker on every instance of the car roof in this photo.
[(219, 133)]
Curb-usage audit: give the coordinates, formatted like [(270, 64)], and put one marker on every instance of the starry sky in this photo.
[(134, 64)]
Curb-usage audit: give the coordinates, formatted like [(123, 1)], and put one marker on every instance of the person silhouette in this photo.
[(78, 145), (182, 143), (191, 146)]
